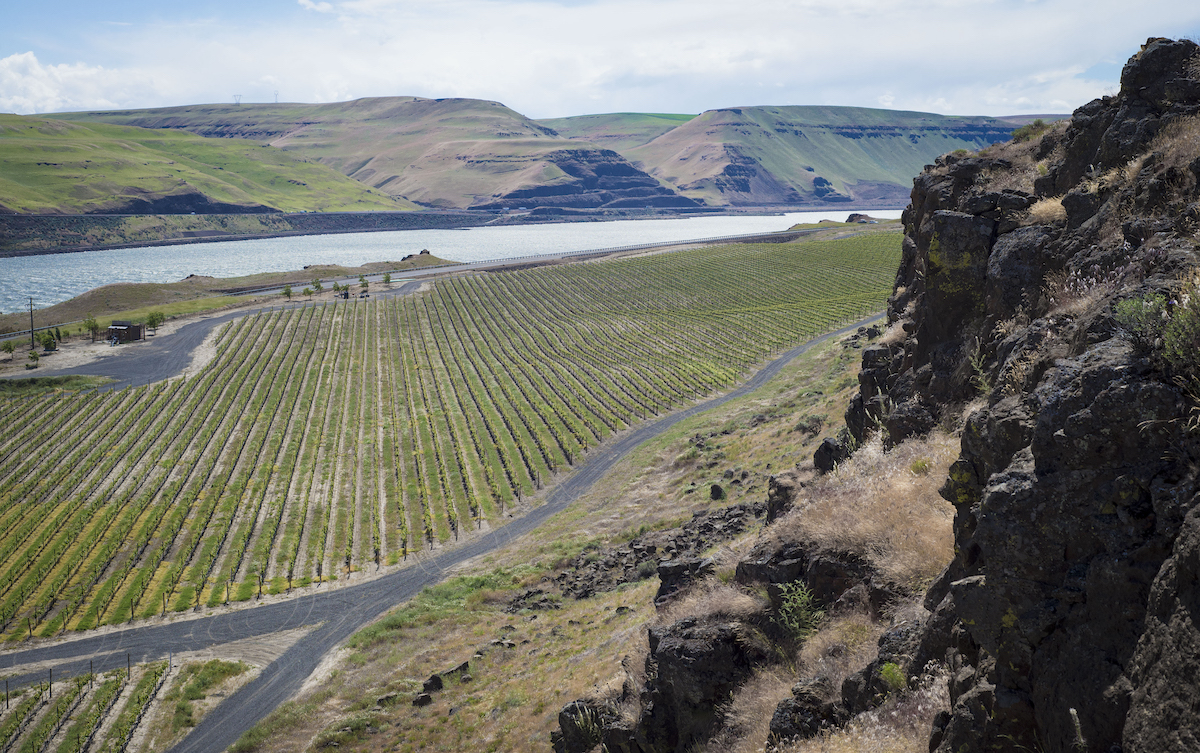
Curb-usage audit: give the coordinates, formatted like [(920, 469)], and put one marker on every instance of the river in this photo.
[(52, 278)]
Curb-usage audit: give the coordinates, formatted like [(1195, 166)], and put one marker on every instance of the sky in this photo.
[(554, 58)]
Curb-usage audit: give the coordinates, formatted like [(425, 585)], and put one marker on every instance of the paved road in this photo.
[(163, 356), (339, 613)]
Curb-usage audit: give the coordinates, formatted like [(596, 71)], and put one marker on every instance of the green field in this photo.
[(329, 438), (618, 131), (55, 166)]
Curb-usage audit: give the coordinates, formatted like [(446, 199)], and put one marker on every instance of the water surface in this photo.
[(52, 278)]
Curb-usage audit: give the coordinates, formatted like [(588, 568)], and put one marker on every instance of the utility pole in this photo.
[(32, 344)]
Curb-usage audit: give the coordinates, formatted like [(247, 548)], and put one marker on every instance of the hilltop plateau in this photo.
[(443, 153), (464, 153), (51, 166)]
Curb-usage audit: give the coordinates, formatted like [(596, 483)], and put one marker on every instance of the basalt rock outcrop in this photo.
[(1067, 617), (594, 178)]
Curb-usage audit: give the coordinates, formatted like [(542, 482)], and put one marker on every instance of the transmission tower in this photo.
[(237, 99)]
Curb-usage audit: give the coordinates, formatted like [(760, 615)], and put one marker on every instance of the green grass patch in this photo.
[(40, 385), (193, 684), (450, 599)]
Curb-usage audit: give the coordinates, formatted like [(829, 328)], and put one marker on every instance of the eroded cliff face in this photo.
[(1068, 614)]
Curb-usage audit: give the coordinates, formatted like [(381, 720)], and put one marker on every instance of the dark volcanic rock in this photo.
[(599, 178), (1066, 616), (696, 666), (812, 709), (595, 572)]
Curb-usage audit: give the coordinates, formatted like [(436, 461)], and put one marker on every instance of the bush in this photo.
[(1143, 318), (798, 614), (893, 676), (1030, 131), (1169, 328)]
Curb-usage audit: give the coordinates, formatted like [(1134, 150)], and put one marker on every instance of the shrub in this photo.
[(1181, 335), (1169, 328), (893, 676), (1030, 130), (798, 614), (1143, 318)]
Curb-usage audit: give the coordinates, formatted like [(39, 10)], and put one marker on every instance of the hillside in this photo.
[(48, 166), (617, 131), (465, 153), (808, 155), (444, 153), (1047, 313)]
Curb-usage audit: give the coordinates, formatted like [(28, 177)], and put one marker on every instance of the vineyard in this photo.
[(326, 439), (89, 712)]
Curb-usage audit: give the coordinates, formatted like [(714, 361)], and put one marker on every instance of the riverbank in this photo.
[(32, 235)]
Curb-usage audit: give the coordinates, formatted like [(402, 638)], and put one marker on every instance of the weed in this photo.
[(920, 467), (982, 380), (798, 614), (893, 676), (1030, 131), (1073, 291)]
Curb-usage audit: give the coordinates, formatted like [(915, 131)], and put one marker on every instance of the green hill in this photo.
[(808, 155), (50, 166), (617, 131), (446, 153), (475, 154)]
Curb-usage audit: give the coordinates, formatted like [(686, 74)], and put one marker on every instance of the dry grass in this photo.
[(878, 503), (710, 599), (1177, 145), (1047, 211), (747, 722), (1072, 292), (511, 702), (1022, 155), (900, 725)]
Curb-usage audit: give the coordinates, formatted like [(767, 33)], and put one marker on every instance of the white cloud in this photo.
[(28, 86), (318, 7), (547, 58)]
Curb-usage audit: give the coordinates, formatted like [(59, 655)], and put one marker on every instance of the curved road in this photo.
[(335, 613), (165, 356)]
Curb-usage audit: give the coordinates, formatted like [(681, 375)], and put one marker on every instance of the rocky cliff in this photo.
[(1051, 281), (1047, 305)]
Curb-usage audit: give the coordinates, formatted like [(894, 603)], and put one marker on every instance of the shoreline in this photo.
[(336, 223)]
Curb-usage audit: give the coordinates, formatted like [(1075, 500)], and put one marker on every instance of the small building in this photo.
[(126, 332)]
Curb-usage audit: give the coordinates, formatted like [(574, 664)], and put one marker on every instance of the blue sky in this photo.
[(549, 58)]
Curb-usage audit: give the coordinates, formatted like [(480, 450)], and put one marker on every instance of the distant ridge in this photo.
[(477, 154)]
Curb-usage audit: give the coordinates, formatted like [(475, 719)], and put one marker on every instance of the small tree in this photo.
[(91, 325), (287, 292), (307, 291), (47, 341), (34, 357), (8, 347), (154, 320), (387, 278), (362, 282), (317, 284)]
